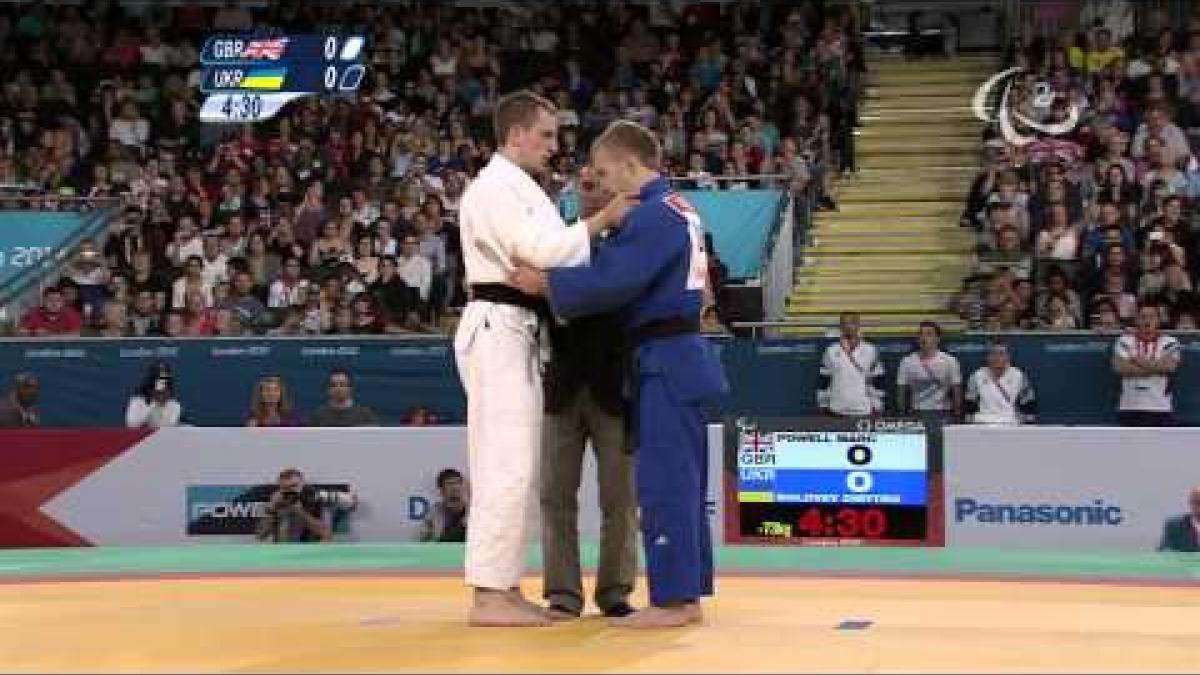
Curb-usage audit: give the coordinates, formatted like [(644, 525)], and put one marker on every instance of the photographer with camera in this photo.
[(153, 405), (295, 512), (447, 519)]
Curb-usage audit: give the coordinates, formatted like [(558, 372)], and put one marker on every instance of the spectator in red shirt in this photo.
[(53, 317)]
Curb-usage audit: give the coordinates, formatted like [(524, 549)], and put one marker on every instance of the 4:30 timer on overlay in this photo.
[(829, 481)]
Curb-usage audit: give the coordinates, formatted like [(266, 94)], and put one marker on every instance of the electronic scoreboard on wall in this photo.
[(250, 77), (832, 481)]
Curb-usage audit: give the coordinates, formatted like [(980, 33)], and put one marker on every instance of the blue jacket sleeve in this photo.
[(620, 269)]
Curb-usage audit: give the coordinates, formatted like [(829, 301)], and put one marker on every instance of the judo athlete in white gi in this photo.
[(653, 271), (505, 216)]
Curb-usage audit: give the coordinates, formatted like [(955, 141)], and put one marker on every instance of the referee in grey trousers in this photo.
[(585, 401)]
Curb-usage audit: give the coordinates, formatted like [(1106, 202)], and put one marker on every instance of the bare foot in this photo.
[(695, 614), (499, 608), (518, 597), (558, 615), (657, 617)]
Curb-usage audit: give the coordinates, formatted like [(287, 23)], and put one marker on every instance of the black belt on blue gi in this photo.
[(651, 330), (504, 294)]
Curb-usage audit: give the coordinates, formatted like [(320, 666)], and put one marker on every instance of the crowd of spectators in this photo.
[(339, 216), (1078, 229)]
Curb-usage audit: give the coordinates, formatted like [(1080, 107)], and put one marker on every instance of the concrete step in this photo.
[(950, 102), (914, 160), (932, 278), (908, 145), (956, 117), (805, 297), (924, 229), (895, 325), (858, 260), (947, 172), (893, 250), (803, 292), (972, 77), (884, 62), (953, 238), (920, 129), (919, 192), (833, 305), (931, 78), (868, 222), (823, 246), (922, 190), (884, 90), (894, 209)]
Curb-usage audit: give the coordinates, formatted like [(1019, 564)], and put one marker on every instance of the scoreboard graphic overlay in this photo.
[(832, 481), (250, 77)]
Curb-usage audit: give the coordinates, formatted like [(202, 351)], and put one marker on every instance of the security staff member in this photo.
[(584, 401)]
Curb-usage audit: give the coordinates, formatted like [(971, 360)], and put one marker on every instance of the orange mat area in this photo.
[(756, 624)]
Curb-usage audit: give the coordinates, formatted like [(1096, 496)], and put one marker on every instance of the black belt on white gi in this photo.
[(504, 294)]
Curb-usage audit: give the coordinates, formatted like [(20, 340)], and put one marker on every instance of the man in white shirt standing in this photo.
[(414, 268), (851, 373), (1146, 359), (999, 393), (505, 217), (929, 381)]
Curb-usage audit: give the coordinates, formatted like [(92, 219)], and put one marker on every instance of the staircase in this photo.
[(893, 250)]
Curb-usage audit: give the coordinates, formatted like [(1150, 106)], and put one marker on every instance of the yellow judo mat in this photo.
[(398, 609)]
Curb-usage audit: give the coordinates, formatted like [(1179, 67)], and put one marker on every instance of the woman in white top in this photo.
[(444, 61), (153, 405), (1058, 314), (366, 260), (1058, 241), (129, 128)]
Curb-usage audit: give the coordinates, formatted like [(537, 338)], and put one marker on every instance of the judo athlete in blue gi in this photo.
[(653, 271)]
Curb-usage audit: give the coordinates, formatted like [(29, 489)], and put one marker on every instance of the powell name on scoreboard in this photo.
[(830, 481)]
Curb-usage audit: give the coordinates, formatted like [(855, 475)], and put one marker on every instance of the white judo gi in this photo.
[(505, 215)]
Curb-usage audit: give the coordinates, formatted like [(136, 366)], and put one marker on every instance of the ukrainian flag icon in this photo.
[(264, 78)]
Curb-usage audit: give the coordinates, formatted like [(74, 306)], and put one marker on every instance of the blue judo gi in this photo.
[(652, 271)]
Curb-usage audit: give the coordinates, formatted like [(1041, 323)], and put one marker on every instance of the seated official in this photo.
[(1182, 533)]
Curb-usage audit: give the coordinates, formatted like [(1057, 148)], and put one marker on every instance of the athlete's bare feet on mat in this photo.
[(559, 614), (504, 608), (546, 612), (660, 617)]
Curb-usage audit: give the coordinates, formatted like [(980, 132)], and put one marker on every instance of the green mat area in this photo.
[(251, 558)]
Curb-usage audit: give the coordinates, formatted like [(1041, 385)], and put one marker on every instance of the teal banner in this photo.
[(740, 222), (26, 237), (89, 382)]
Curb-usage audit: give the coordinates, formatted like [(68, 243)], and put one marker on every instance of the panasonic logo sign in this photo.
[(1096, 513)]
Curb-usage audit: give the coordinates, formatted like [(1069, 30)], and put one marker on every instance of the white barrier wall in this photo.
[(148, 494), (1066, 488)]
